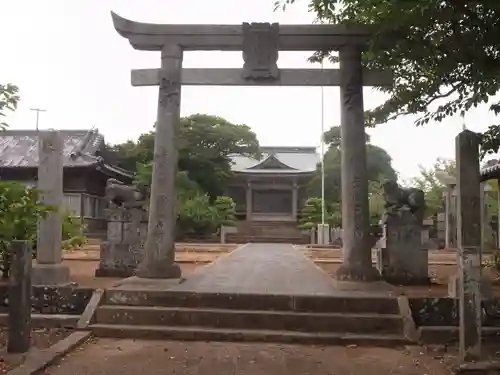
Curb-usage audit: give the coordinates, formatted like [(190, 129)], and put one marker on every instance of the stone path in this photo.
[(132, 357), (261, 268)]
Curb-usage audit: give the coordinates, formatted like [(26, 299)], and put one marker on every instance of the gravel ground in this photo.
[(132, 357)]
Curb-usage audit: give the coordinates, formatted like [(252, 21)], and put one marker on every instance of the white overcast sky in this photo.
[(67, 58)]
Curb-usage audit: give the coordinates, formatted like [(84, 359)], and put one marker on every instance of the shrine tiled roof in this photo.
[(81, 148), (491, 170), (278, 160)]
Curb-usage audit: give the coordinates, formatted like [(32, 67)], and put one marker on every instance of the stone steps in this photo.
[(306, 319), (268, 231), (265, 302), (244, 335), (255, 319)]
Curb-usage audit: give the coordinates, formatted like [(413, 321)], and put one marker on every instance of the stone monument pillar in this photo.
[(407, 260), (159, 251), (323, 234), (357, 265), (469, 244), (48, 269)]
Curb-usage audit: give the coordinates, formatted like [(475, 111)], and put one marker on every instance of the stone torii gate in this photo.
[(260, 44)]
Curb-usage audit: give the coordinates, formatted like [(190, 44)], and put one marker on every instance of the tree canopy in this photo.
[(8, 102), (432, 181), (445, 55), (378, 165), (205, 143)]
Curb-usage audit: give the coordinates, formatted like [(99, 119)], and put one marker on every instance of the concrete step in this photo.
[(242, 238), (254, 319), (264, 302), (245, 335)]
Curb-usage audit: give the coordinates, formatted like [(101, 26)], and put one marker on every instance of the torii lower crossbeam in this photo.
[(233, 77)]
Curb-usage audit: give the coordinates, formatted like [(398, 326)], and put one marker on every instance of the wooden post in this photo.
[(469, 244), (19, 323)]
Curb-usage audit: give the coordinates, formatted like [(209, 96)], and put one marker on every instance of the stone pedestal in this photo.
[(121, 253), (224, 231), (159, 251), (48, 269), (404, 260), (323, 234), (357, 263)]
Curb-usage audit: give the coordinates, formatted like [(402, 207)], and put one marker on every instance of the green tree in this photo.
[(196, 216), (226, 211), (8, 102), (205, 143), (432, 181), (379, 166), (72, 231), (445, 55), (311, 214)]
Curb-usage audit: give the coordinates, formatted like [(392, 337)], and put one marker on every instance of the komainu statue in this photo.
[(403, 199), (126, 196)]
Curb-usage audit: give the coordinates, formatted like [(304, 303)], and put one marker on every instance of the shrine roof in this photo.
[(490, 170), (81, 148), (278, 160)]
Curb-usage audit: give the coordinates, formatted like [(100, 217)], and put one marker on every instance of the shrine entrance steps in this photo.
[(259, 293), (268, 232)]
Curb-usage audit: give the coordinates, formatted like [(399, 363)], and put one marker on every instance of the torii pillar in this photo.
[(357, 265)]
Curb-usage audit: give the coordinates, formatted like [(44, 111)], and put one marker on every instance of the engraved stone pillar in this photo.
[(49, 269), (357, 265), (249, 202), (159, 251), (469, 243), (19, 297)]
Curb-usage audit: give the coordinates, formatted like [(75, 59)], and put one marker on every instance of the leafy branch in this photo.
[(8, 102)]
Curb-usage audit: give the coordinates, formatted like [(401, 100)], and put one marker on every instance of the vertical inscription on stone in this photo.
[(260, 51), (357, 263), (352, 79)]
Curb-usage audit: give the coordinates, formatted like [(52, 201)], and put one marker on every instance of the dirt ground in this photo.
[(82, 273), (130, 357), (450, 357), (439, 275), (40, 338)]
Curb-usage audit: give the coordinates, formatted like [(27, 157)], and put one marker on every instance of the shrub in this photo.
[(311, 214), (197, 216), (20, 210), (72, 232), (494, 262), (226, 211)]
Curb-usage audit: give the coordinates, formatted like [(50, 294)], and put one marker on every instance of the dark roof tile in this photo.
[(19, 148)]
